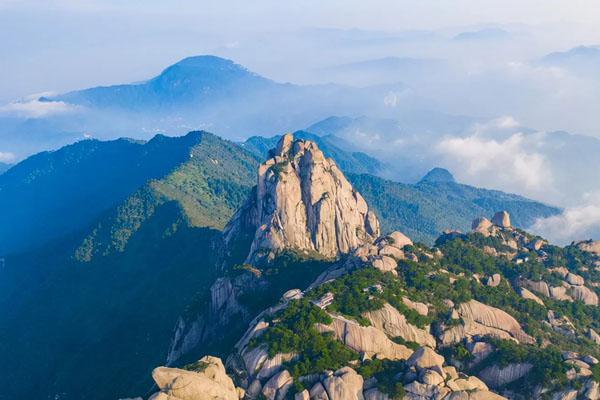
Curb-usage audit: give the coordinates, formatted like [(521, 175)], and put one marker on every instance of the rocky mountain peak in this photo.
[(304, 203)]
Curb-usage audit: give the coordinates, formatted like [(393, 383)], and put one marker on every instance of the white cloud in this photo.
[(503, 164), (32, 107), (7, 157), (575, 223)]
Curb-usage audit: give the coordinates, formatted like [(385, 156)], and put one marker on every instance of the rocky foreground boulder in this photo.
[(208, 382)]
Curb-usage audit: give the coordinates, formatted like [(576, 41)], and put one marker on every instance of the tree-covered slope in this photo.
[(56, 193), (103, 300), (209, 186), (429, 207), (72, 330)]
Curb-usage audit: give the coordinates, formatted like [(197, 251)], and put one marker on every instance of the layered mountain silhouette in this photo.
[(202, 92)]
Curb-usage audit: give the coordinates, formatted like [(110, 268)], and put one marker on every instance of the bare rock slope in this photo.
[(303, 202)]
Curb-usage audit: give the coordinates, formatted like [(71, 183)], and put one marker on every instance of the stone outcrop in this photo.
[(277, 387), (478, 395), (526, 294), (575, 279), (367, 340), (481, 225), (590, 246), (540, 287), (421, 308), (584, 294), (494, 280), (209, 383), (479, 320), (426, 358), (501, 219), (258, 363), (302, 202), (496, 377), (344, 384), (394, 324)]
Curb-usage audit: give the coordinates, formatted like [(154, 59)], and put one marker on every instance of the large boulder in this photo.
[(421, 308), (496, 376), (479, 351), (560, 293), (385, 264), (590, 246), (476, 395), (398, 239), (317, 392), (584, 294), (209, 383), (368, 340), (595, 337), (344, 384), (480, 319), (481, 225), (277, 387), (426, 358), (575, 279), (526, 294), (501, 219), (375, 394), (540, 287), (394, 324)]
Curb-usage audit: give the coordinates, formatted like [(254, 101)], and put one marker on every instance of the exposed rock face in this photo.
[(394, 324), (399, 240), (494, 280), (303, 202), (496, 377), (277, 387), (478, 395), (540, 287), (318, 392), (480, 319), (257, 362), (426, 358), (526, 294), (575, 279), (584, 294), (594, 336), (344, 384), (501, 219), (368, 340), (479, 350), (481, 225), (210, 383), (421, 308), (590, 246)]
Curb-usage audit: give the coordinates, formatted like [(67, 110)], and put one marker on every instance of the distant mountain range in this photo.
[(579, 60), (203, 92)]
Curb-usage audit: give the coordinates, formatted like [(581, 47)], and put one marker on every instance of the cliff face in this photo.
[(304, 203)]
